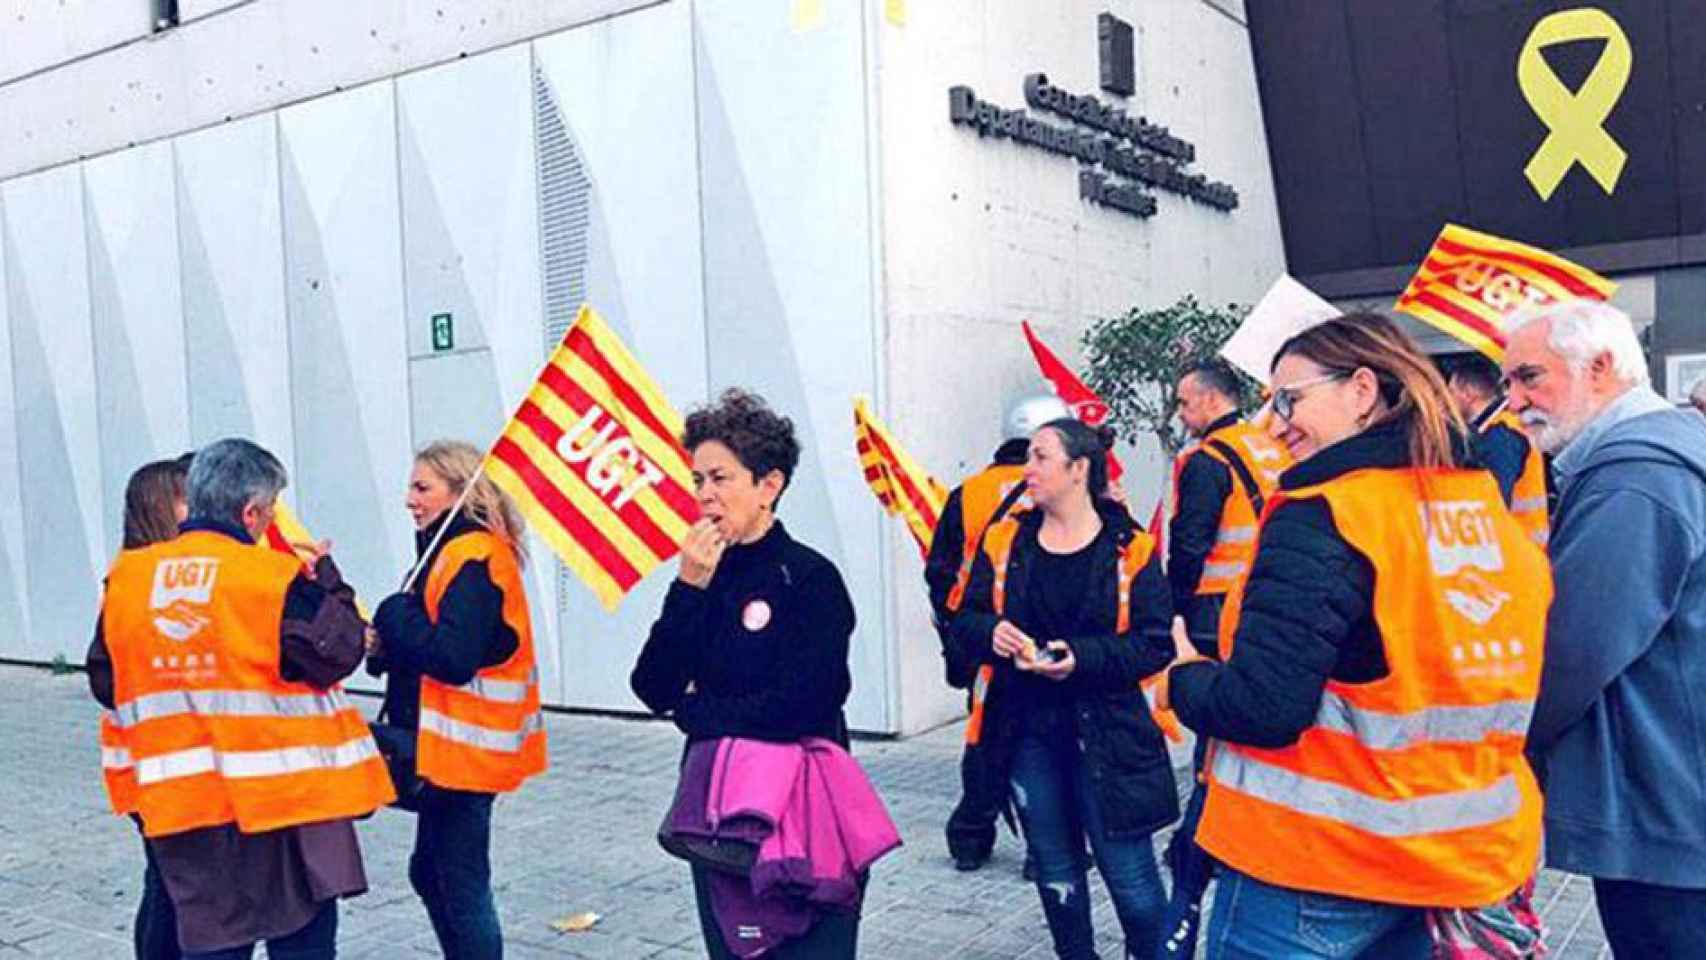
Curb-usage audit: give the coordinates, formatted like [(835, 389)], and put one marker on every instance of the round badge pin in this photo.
[(756, 616)]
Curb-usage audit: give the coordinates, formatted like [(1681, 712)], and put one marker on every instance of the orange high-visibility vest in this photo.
[(998, 545), (1411, 789), (487, 735), (980, 496), (1528, 496), (1255, 454), (118, 770), (216, 735)]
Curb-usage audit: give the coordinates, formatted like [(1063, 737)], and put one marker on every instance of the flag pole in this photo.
[(467, 488), (550, 355)]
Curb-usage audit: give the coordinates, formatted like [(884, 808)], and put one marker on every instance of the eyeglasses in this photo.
[(1286, 397)]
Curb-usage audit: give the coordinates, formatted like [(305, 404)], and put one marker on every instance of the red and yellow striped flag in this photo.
[(593, 458), (901, 485), (1471, 282)]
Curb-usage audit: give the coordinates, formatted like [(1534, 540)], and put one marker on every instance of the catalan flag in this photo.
[(901, 485), (593, 458), (1472, 282), (286, 534)]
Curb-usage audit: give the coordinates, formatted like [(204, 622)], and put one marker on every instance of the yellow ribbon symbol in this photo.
[(1574, 121)]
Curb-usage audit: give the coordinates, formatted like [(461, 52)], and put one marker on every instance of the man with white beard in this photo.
[(1618, 735)]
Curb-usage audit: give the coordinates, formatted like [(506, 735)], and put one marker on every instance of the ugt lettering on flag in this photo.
[(1471, 283), (594, 460)]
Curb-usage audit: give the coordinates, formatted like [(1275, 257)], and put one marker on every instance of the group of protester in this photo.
[(1420, 621), (1400, 664)]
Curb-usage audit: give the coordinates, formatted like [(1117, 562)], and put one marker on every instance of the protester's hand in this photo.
[(370, 640), (1011, 642), (1056, 662), (1116, 493), (310, 554), (1184, 651), (700, 553)]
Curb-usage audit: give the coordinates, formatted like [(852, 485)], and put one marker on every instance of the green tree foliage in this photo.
[(1134, 361)]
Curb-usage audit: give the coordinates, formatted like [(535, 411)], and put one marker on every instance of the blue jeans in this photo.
[(1051, 788), (451, 869), (316, 941), (1258, 921)]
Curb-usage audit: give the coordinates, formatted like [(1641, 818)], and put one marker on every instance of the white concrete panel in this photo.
[(14, 578), (348, 359), (137, 307), (36, 36), (471, 249), (234, 60), (625, 92), (47, 287), (230, 245), (789, 278)]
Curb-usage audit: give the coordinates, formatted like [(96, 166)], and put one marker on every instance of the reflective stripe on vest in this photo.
[(980, 496), (230, 703), (1412, 788), (1416, 817), (484, 738), (487, 735), (244, 764), (118, 768)]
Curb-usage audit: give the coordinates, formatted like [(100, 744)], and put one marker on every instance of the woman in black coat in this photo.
[(1063, 710), (753, 637)]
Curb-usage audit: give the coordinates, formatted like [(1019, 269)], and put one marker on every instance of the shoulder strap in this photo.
[(1245, 480)]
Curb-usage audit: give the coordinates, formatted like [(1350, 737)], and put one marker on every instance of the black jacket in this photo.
[(1204, 485), (1308, 611), (1500, 449), (470, 633), (763, 647), (1125, 752)]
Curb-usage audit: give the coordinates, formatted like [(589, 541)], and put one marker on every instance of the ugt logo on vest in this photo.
[(1460, 533), (181, 585), (612, 465)]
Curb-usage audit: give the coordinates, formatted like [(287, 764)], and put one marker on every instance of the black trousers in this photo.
[(834, 937), (1650, 922), (983, 795)]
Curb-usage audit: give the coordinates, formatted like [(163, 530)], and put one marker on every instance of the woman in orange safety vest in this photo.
[(1382, 657), (458, 647)]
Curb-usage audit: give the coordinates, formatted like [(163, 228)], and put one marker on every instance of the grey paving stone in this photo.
[(580, 838)]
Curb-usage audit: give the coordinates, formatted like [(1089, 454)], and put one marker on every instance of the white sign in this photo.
[(1682, 372), (1286, 310)]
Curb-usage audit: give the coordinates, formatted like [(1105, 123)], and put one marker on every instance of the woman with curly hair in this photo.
[(753, 638)]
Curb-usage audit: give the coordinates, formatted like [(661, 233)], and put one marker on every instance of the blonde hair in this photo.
[(456, 462)]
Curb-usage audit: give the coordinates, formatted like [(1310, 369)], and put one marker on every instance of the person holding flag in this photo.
[(753, 637), (985, 497), (1067, 605), (456, 648)]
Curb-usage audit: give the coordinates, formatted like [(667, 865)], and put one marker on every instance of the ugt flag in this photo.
[(593, 458), (1472, 282)]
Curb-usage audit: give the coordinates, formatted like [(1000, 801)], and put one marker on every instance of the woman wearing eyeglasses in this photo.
[(1381, 660)]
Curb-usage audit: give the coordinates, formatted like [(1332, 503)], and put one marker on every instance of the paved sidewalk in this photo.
[(581, 838)]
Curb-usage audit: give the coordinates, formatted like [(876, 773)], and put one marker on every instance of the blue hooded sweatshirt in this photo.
[(1619, 730)]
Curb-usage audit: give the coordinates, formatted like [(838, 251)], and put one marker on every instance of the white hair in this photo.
[(1584, 329)]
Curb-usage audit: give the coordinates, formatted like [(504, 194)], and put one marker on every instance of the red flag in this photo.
[(1083, 402)]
